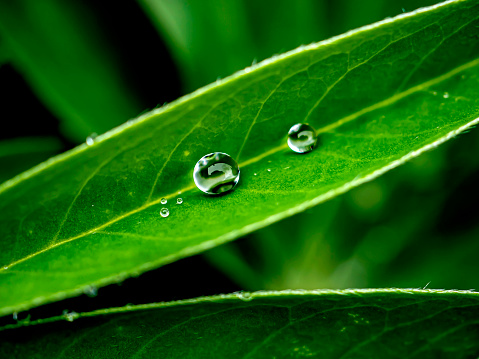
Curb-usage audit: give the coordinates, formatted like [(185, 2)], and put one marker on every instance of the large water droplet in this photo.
[(164, 201), (164, 212), (216, 173), (179, 201), (302, 138)]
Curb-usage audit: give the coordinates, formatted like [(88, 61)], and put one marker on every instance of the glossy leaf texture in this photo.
[(370, 323), (378, 97), (71, 70)]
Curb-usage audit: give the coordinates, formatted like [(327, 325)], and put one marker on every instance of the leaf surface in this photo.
[(370, 323), (378, 97)]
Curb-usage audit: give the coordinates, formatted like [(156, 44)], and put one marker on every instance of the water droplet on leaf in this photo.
[(446, 95), (216, 173), (244, 296), (90, 140), (302, 138), (70, 316), (91, 291), (164, 201), (164, 212), (179, 201)]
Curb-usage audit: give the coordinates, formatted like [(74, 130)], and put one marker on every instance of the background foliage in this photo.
[(410, 227)]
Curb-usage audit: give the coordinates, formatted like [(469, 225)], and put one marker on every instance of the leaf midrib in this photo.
[(384, 103)]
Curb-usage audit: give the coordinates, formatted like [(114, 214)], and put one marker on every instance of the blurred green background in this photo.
[(72, 68)]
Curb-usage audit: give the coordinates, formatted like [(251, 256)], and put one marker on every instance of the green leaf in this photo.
[(369, 323), (63, 55), (379, 96), (19, 154)]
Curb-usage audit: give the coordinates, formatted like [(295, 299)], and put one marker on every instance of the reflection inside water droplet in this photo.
[(164, 212), (302, 138), (216, 173)]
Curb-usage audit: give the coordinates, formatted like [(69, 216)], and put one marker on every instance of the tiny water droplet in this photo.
[(70, 316), (90, 140), (179, 200), (446, 95), (91, 291), (216, 173), (302, 138), (164, 201), (244, 296), (5, 267), (164, 212), (255, 174), (15, 315), (269, 169)]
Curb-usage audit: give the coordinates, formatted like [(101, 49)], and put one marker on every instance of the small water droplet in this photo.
[(286, 168), (164, 212), (15, 315), (302, 138), (5, 267), (446, 95), (164, 201), (269, 170), (179, 200), (216, 173), (246, 296), (255, 174), (91, 291), (70, 316), (90, 140)]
